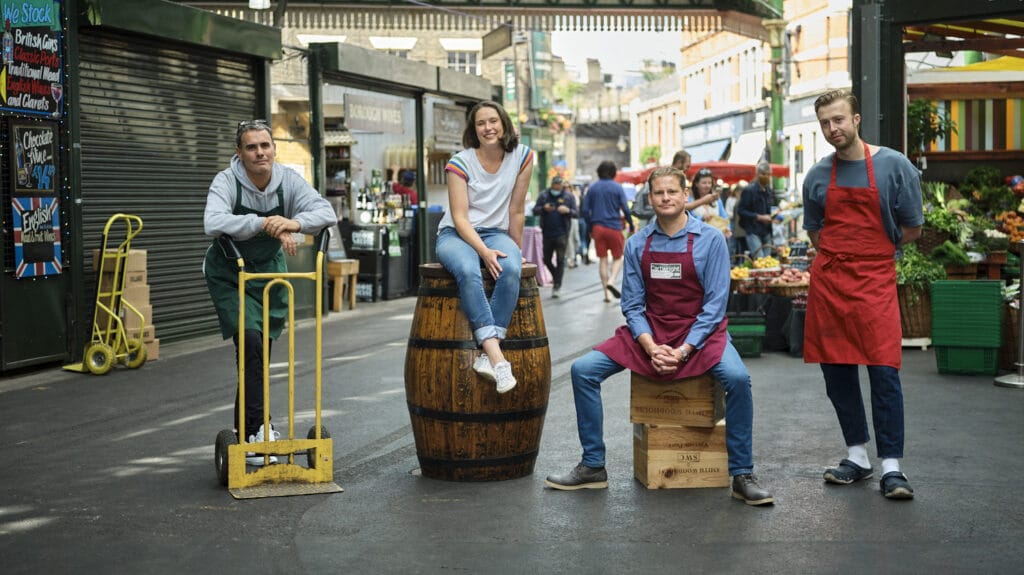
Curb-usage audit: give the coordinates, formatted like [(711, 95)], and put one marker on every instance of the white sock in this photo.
[(890, 464), (859, 455)]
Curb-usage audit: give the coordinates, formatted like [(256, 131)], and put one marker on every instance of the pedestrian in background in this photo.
[(642, 208), (674, 295), (707, 203), (584, 225), (405, 187), (755, 209), (556, 209), (605, 206), (487, 185), (860, 204), (259, 204), (738, 240), (572, 244)]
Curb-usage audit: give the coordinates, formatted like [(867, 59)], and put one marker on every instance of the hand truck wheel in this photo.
[(220, 453)]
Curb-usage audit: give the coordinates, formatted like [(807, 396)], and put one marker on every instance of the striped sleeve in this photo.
[(527, 158), (457, 166)]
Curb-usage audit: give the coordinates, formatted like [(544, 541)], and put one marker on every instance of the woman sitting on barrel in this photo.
[(487, 185)]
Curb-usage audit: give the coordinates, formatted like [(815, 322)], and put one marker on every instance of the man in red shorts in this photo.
[(604, 208)]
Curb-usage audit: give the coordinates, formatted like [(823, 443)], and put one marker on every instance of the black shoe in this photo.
[(614, 291), (846, 473), (895, 486), (745, 488), (581, 477)]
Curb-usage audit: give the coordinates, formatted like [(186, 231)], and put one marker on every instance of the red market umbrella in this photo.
[(635, 177), (731, 173)]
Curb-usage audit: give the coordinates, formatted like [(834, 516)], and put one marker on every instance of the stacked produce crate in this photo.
[(678, 432), (747, 331), (967, 325)]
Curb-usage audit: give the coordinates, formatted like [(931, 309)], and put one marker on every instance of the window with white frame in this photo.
[(466, 62)]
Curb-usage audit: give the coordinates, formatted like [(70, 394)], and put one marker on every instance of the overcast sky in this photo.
[(618, 52)]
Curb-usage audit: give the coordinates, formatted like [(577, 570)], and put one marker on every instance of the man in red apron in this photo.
[(859, 205), (674, 295)]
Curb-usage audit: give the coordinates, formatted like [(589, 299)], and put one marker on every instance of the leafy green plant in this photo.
[(650, 153), (925, 125), (950, 254), (982, 177), (916, 270)]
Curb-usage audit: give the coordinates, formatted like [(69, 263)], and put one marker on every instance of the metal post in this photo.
[(1017, 379)]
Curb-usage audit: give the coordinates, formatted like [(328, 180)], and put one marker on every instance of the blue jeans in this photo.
[(589, 371), (487, 318), (759, 246), (842, 383)]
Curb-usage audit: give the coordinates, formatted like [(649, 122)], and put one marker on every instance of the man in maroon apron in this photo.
[(674, 295), (859, 205)]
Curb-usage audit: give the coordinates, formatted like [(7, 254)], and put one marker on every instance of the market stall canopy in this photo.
[(728, 172), (731, 173)]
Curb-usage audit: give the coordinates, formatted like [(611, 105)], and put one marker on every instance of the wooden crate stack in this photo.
[(678, 432), (136, 292)]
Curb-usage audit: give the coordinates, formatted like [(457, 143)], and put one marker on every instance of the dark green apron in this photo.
[(262, 254)]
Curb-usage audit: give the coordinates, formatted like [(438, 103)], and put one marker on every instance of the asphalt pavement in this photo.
[(115, 473)]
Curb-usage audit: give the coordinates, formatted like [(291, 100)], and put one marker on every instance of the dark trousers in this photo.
[(555, 246), (842, 383), (253, 382)]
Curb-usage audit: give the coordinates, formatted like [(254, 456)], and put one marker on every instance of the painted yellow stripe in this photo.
[(954, 113)]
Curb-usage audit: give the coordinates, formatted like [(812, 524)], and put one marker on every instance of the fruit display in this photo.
[(1012, 225), (766, 262), (739, 273), (792, 276)]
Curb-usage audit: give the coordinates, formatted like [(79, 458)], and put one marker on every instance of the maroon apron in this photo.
[(674, 298), (853, 313)]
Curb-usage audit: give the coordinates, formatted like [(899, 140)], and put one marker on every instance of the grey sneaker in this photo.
[(503, 377), (581, 477), (745, 488), (554, 293)]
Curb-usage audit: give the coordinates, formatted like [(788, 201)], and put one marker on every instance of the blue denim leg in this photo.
[(887, 410), (842, 384), (588, 372), (739, 410), (506, 287)]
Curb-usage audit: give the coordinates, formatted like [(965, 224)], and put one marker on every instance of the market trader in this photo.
[(556, 208), (755, 209), (859, 205), (259, 204), (674, 295)]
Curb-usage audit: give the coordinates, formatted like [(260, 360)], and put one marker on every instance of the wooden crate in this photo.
[(674, 457), (694, 401)]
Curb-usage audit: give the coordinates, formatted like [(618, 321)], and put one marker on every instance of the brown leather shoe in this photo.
[(745, 488)]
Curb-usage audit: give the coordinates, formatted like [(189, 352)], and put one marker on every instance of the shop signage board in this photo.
[(449, 122), (31, 81), (35, 208), (374, 114)]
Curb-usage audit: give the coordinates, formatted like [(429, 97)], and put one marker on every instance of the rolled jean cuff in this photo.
[(487, 332), (741, 471)]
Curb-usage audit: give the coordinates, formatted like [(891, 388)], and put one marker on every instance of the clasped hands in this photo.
[(666, 359), (282, 228)]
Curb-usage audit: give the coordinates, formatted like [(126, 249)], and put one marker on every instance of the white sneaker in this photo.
[(482, 365), (503, 375), (257, 460)]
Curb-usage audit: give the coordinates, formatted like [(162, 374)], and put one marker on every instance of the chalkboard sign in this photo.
[(33, 79), (33, 158)]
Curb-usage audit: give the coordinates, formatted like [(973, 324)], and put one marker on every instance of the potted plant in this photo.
[(925, 125), (915, 273)]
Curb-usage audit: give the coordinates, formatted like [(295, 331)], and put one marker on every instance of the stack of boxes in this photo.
[(135, 292), (678, 432), (747, 330), (967, 325)]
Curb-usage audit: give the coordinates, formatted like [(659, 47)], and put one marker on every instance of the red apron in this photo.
[(674, 299), (853, 314)]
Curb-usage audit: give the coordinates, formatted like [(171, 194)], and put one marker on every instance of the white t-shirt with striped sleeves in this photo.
[(489, 194)]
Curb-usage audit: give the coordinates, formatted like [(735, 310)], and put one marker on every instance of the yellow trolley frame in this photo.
[(109, 342), (288, 478)]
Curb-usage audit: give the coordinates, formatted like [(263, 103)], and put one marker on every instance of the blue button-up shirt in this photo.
[(710, 258)]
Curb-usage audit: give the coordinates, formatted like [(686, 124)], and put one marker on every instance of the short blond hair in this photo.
[(666, 171)]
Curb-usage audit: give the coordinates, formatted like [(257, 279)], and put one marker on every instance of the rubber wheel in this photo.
[(99, 358), (136, 354), (220, 453), (311, 452)]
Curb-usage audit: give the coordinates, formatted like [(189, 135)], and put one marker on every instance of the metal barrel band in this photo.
[(454, 292), (494, 417), (520, 458), (507, 344)]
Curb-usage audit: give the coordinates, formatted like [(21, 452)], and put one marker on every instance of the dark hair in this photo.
[(666, 171), (249, 125), (841, 94), (606, 170), (509, 140), (681, 156), (700, 175)]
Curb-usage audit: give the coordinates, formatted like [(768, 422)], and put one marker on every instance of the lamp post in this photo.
[(776, 31)]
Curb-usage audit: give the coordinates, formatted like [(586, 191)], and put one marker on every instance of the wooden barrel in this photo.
[(465, 430)]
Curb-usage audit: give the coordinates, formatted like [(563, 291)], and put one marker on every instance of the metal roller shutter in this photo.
[(158, 121)]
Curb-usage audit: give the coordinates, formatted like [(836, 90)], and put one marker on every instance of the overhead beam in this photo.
[(979, 44), (907, 13)]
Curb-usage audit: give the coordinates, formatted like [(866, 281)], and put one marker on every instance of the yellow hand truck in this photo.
[(290, 478), (110, 342)]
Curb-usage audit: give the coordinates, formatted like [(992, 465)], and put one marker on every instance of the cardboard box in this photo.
[(675, 457), (136, 294), (131, 321), (153, 350), (694, 401), (148, 334), (132, 278), (134, 262)]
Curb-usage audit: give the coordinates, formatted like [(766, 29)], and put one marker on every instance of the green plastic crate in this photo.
[(746, 330), (967, 360), (967, 313), (748, 345)]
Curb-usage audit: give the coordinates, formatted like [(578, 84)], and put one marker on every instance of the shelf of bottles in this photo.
[(338, 164), (377, 203)]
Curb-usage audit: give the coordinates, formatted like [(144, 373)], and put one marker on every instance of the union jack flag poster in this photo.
[(36, 236)]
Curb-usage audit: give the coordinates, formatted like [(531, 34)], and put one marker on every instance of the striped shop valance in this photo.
[(982, 125)]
